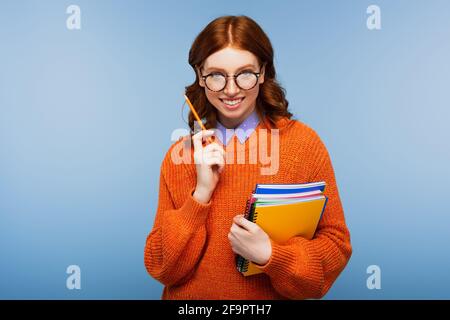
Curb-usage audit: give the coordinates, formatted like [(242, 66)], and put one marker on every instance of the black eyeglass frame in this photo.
[(257, 74)]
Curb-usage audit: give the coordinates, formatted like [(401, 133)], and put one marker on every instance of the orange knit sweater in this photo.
[(188, 249)]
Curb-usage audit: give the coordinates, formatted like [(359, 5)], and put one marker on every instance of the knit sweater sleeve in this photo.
[(175, 244), (301, 268)]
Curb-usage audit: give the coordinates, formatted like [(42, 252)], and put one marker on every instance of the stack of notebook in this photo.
[(284, 211)]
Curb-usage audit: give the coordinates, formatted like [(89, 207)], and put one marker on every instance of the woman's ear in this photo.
[(200, 79), (262, 74)]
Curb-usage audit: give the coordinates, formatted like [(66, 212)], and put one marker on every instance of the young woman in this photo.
[(199, 227)]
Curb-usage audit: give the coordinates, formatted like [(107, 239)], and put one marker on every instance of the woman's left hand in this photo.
[(248, 240)]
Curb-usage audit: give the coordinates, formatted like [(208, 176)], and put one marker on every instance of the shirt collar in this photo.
[(242, 132)]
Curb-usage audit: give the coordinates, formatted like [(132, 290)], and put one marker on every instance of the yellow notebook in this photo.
[(283, 216)]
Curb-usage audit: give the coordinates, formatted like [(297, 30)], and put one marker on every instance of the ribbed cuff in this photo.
[(193, 213), (285, 259), (280, 260)]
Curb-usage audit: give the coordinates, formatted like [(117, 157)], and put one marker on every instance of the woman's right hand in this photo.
[(209, 163)]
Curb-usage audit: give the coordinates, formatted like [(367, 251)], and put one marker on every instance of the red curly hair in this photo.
[(240, 32)]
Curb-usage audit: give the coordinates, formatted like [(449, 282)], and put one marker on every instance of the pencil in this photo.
[(196, 116)]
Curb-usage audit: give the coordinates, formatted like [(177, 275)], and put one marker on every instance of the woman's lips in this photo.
[(232, 107)]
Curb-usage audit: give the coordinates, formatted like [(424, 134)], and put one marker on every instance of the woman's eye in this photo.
[(216, 75), (246, 72)]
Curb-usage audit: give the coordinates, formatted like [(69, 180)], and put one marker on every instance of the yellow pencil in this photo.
[(196, 116)]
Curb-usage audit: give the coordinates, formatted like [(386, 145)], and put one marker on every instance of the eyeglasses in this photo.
[(245, 80)]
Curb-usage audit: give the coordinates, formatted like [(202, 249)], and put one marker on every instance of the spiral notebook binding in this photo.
[(239, 263), (255, 216), (242, 263), (240, 260), (247, 209), (245, 266), (252, 217)]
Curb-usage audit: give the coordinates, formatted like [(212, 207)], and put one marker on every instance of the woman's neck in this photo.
[(234, 123)]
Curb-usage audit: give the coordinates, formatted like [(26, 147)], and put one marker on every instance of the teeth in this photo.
[(232, 102)]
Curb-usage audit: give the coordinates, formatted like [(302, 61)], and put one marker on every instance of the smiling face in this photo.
[(233, 104)]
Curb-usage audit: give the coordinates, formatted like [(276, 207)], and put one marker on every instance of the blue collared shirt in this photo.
[(242, 132)]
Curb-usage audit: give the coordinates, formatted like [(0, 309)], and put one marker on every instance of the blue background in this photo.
[(86, 118)]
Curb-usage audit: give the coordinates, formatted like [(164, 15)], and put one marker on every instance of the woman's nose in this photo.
[(231, 88)]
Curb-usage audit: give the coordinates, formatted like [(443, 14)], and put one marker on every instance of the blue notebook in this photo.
[(289, 188)]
